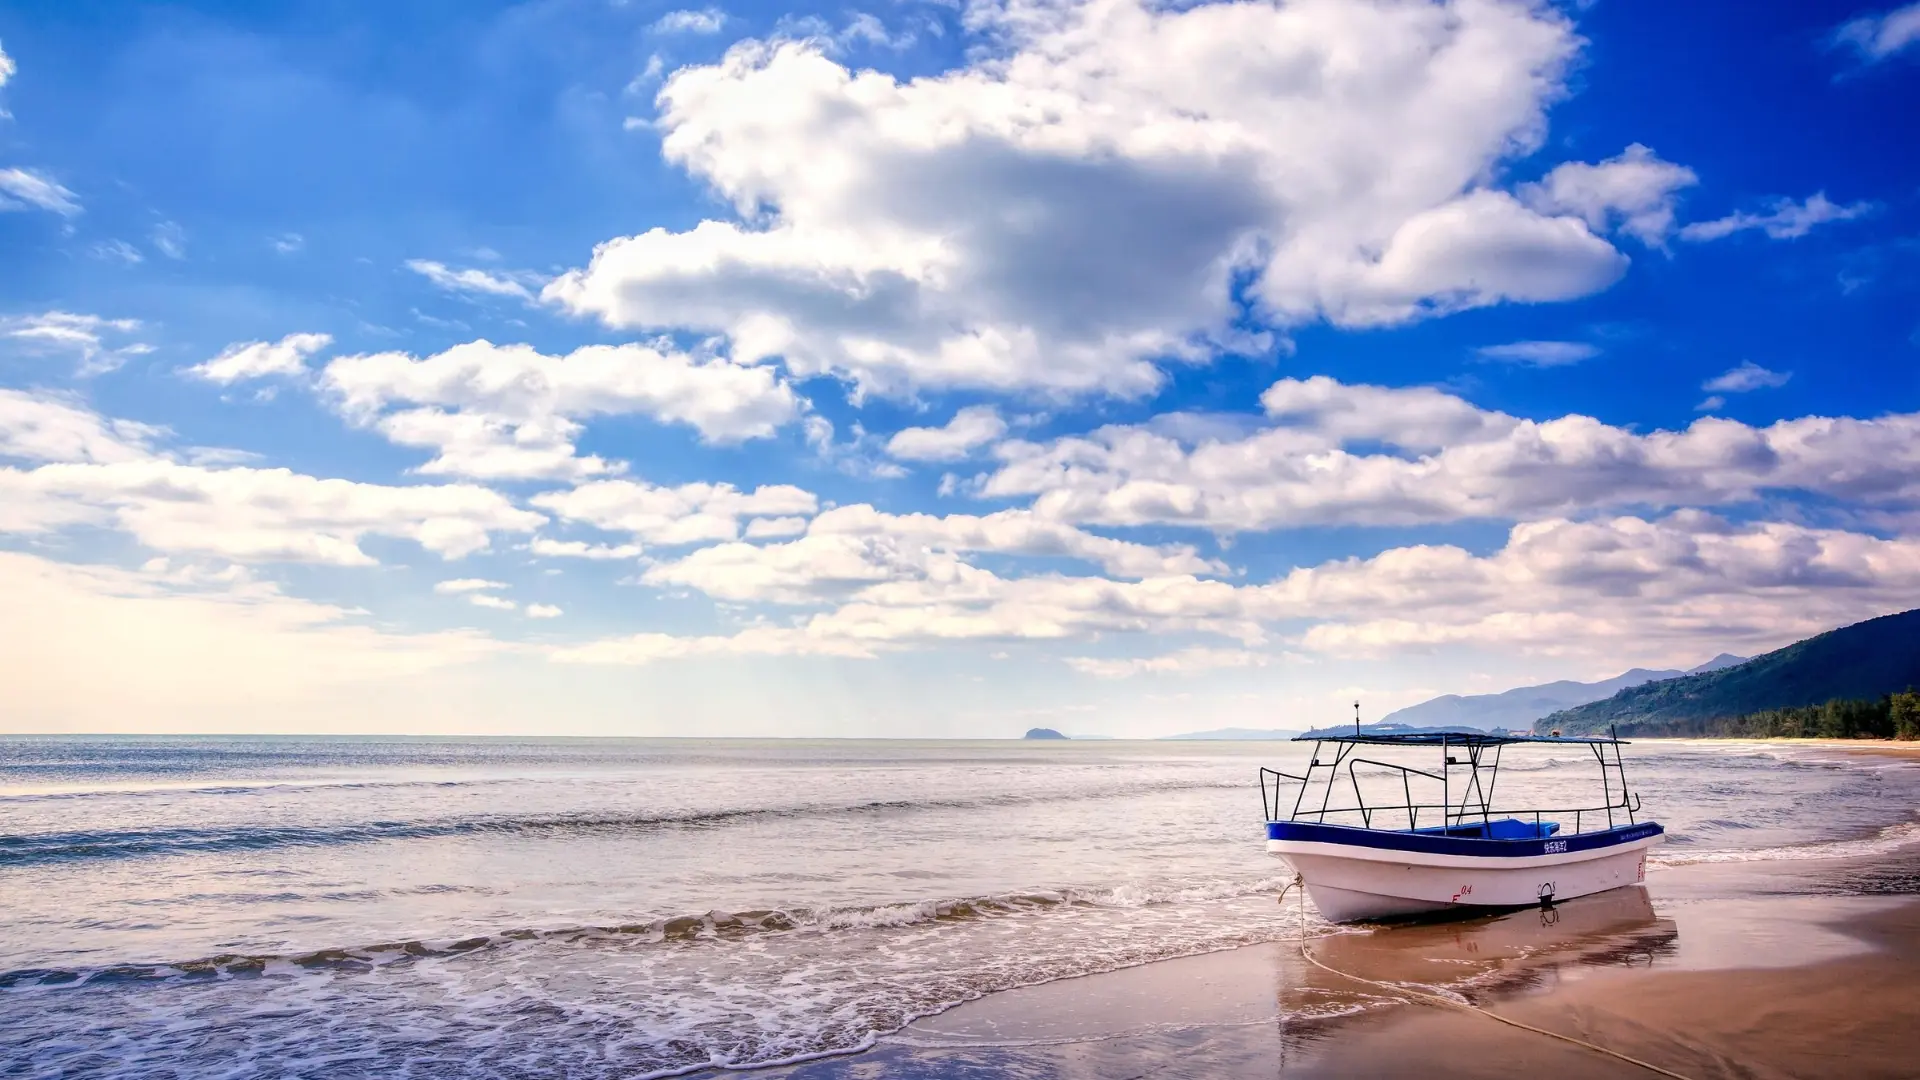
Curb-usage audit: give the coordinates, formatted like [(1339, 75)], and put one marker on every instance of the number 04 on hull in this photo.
[(1377, 860)]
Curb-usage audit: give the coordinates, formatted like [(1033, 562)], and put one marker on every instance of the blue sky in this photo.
[(617, 368)]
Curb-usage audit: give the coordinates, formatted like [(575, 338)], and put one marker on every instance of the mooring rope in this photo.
[(1419, 995)]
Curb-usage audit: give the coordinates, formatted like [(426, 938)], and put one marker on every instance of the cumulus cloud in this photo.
[(688, 514), (509, 411), (971, 428), (1878, 37), (1786, 220), (687, 21), (104, 473), (25, 189), (57, 427), (7, 67), (518, 286), (1460, 462), (1634, 193), (1627, 588), (1540, 353), (83, 336), (543, 611), (487, 600), (580, 549), (467, 585), (259, 359), (852, 547), (1072, 209), (270, 515)]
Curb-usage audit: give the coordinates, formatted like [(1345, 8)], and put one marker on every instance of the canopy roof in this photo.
[(1446, 737)]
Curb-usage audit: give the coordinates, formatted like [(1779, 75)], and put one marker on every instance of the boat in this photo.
[(1396, 857)]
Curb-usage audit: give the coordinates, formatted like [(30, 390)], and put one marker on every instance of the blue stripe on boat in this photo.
[(1434, 844)]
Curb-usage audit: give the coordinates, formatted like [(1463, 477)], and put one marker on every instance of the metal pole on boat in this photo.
[(1356, 718)]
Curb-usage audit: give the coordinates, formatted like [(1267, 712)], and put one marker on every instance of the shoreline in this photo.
[(1710, 970)]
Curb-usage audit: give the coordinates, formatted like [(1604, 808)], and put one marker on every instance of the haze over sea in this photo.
[(511, 907)]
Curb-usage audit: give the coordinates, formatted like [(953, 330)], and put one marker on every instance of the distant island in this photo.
[(1853, 682), (1042, 733), (1232, 733)]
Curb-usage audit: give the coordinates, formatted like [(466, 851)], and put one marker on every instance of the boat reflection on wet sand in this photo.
[(1479, 958)]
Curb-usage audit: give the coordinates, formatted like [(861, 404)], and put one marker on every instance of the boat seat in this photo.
[(1497, 829)]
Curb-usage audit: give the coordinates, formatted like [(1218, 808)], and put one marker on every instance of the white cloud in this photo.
[(118, 249), (7, 67), (1748, 376), (170, 240), (54, 427), (1878, 37), (467, 585), (578, 549), (102, 472), (852, 547), (754, 641), (971, 428), (688, 514), (1540, 353), (1634, 192), (543, 611), (497, 603), (1183, 662), (1711, 403), (1624, 589), (1787, 220), (475, 281), (1066, 213), (259, 359), (84, 336), (769, 528), (288, 243), (704, 21), (1466, 463), (270, 515), (508, 411), (22, 189)]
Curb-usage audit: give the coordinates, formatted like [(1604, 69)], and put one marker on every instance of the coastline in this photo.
[(1714, 970)]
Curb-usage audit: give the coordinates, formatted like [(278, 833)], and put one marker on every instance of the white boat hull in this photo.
[(1349, 883)]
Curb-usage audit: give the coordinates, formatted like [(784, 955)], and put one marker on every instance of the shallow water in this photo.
[(341, 907)]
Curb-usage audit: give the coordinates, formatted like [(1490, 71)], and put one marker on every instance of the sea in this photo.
[(435, 907)]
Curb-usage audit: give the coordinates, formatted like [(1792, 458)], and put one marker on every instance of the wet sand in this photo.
[(1742, 970)]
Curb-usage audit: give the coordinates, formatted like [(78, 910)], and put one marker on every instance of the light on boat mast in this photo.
[(1356, 718)]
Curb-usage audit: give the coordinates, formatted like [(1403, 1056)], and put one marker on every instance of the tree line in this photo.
[(1893, 716)]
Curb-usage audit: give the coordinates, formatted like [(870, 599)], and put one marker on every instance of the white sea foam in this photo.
[(1889, 839)]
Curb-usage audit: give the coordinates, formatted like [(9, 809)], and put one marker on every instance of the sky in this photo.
[(606, 367)]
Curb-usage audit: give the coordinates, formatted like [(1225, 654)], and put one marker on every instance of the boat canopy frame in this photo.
[(1476, 792)]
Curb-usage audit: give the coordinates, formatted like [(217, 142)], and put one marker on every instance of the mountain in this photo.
[(1866, 660), (1042, 733), (1232, 733), (1518, 709)]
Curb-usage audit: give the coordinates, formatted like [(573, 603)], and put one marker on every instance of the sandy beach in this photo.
[(1804, 969)]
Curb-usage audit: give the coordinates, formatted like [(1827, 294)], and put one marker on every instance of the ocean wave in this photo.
[(1891, 838), (26, 849), (712, 927)]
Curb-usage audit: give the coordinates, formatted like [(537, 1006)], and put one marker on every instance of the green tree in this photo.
[(1905, 708)]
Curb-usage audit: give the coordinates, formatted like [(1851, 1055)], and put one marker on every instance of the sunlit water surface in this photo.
[(343, 907)]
